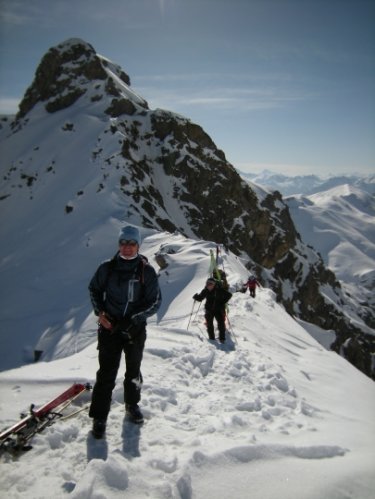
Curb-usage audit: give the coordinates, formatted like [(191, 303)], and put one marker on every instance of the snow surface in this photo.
[(309, 184), (340, 225), (271, 414)]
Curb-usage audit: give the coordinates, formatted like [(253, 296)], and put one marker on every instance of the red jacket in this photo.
[(252, 283)]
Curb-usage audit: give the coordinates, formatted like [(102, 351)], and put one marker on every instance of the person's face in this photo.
[(210, 286), (128, 249)]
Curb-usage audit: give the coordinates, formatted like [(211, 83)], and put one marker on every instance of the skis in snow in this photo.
[(17, 437)]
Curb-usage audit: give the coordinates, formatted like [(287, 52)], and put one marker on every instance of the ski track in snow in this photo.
[(256, 399)]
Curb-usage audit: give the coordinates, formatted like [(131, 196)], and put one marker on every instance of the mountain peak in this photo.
[(72, 43), (73, 69)]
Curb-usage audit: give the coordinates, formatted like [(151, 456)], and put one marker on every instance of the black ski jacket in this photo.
[(215, 299), (125, 288)]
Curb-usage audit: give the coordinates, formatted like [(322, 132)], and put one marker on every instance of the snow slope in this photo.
[(309, 184), (271, 414), (340, 224)]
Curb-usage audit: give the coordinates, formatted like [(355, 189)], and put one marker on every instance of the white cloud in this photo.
[(239, 99), (20, 12), (291, 169), (285, 169)]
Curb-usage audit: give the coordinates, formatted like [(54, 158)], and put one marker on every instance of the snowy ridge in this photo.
[(340, 224), (220, 419), (309, 184)]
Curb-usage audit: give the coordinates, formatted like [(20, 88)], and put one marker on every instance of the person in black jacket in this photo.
[(216, 298), (124, 292)]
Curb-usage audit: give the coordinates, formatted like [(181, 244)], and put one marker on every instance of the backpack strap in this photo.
[(140, 271)]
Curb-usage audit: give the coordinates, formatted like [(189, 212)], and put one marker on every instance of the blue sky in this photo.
[(286, 85)]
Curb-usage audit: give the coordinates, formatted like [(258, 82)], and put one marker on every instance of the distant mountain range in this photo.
[(308, 184), (340, 224), (86, 154)]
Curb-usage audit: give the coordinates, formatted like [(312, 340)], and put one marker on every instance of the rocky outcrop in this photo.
[(67, 72), (55, 77)]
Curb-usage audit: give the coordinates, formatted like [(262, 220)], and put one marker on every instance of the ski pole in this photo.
[(191, 313), (231, 330), (196, 313)]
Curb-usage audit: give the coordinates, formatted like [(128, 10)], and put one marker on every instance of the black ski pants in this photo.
[(111, 346), (219, 315)]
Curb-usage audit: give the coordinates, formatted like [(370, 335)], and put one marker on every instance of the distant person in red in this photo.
[(252, 283)]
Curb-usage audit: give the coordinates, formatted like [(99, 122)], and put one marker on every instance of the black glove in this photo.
[(132, 330), (127, 327), (196, 297)]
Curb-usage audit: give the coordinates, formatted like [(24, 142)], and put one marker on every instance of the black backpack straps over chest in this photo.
[(111, 268), (141, 268), (139, 271)]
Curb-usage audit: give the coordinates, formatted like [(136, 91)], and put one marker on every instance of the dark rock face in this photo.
[(62, 74), (201, 189), (119, 107)]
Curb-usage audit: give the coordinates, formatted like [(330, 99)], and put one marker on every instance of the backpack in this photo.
[(222, 279)]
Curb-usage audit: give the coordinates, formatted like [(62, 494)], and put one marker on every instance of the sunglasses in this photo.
[(125, 242)]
